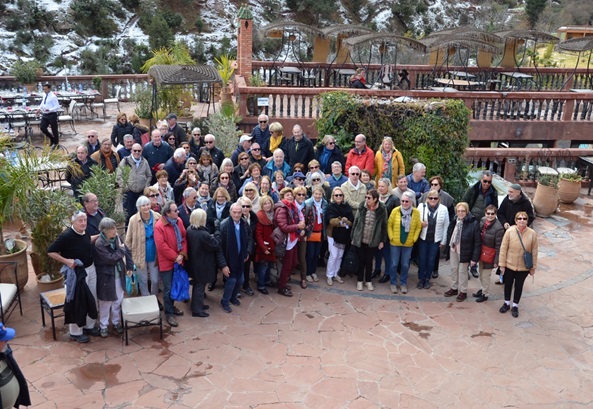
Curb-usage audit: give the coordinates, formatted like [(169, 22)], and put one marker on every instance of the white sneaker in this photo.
[(330, 281), (370, 286), (404, 289), (309, 279), (315, 278), (359, 286), (394, 289), (339, 279)]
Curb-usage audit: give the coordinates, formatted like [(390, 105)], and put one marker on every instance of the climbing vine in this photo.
[(434, 133)]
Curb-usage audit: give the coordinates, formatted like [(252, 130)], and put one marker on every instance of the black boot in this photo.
[(384, 279)]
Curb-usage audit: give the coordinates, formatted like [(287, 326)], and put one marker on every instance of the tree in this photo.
[(312, 11), (533, 9), (159, 33)]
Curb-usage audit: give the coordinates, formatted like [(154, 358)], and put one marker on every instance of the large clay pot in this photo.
[(45, 282), (545, 200), (22, 270), (568, 190), (226, 96)]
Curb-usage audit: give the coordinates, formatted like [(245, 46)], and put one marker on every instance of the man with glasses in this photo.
[(361, 155), (106, 157), (210, 147), (337, 178), (156, 153), (299, 147), (354, 190), (138, 178), (196, 142), (126, 150), (83, 164), (261, 132), (190, 197), (244, 146), (298, 179), (515, 202), (480, 195), (171, 248), (92, 144), (255, 155)]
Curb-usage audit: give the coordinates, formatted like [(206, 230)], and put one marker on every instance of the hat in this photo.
[(515, 186), (298, 175), (245, 138), (171, 116), (6, 334)]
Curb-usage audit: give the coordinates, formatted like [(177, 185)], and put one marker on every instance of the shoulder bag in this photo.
[(527, 256)]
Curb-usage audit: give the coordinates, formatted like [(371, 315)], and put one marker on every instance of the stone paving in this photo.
[(335, 347)]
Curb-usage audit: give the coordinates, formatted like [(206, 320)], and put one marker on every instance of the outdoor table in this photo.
[(462, 75), (464, 84), (343, 75), (290, 75), (519, 79), (443, 89)]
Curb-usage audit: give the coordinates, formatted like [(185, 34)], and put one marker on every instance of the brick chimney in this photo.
[(245, 41)]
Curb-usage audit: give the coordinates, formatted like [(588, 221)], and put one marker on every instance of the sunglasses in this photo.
[(301, 194), (171, 139), (255, 149), (405, 201), (136, 150), (193, 163), (244, 159), (313, 167), (488, 182), (521, 218), (175, 211), (154, 195), (461, 211), (301, 179), (197, 134), (355, 174), (490, 214), (434, 184), (316, 180), (338, 195), (91, 136), (246, 207), (368, 197), (223, 177), (331, 143), (208, 142), (433, 198), (263, 122), (249, 190)]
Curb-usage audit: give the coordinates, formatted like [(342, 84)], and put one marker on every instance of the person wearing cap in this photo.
[(515, 202), (14, 390), (175, 129), (298, 179), (121, 128), (49, 108), (243, 146)]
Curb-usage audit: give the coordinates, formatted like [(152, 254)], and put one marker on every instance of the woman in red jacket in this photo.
[(264, 248)]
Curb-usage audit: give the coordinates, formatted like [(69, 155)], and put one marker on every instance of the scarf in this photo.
[(177, 232), (219, 209), (293, 218), (324, 157), (355, 187), (406, 218), (270, 215), (203, 201), (486, 226), (275, 142), (137, 162), (457, 233), (318, 211), (384, 198), (113, 245), (107, 160), (386, 164)]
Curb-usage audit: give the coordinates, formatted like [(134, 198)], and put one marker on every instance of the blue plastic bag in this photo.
[(180, 285), (132, 285)]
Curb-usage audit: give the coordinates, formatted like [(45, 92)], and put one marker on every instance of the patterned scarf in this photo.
[(386, 164), (457, 233), (177, 232), (406, 218)]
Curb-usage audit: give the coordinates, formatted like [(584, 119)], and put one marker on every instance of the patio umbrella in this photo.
[(578, 45)]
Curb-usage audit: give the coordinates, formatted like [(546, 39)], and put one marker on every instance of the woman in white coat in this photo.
[(435, 222)]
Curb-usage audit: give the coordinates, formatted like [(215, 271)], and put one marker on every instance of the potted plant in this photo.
[(48, 213), (144, 106), (569, 187), (226, 69), (545, 200), (26, 72), (19, 178)]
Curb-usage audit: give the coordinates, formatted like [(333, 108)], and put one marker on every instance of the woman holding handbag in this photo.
[(491, 232), (265, 245), (518, 258), (315, 208), (338, 220)]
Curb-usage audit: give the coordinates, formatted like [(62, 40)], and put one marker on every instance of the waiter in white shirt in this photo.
[(49, 109)]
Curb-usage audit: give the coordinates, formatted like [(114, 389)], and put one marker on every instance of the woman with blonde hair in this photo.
[(250, 192), (389, 162), (338, 220), (152, 193), (327, 153)]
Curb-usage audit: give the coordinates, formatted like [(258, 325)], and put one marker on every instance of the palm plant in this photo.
[(226, 68)]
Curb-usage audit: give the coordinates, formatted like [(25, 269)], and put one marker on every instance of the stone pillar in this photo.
[(245, 42)]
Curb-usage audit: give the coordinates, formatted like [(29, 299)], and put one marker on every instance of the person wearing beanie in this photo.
[(516, 201)]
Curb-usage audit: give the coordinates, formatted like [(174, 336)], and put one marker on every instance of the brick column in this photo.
[(245, 42)]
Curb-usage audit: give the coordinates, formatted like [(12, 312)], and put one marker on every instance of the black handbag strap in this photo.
[(520, 239)]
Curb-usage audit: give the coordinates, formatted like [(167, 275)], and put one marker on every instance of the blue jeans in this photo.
[(427, 253), (262, 272), (312, 255), (232, 286), (403, 254), (167, 279), (385, 252)]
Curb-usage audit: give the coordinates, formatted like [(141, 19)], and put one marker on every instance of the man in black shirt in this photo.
[(93, 213), (75, 244)]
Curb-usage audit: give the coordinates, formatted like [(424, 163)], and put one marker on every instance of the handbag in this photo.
[(280, 240), (487, 254), (132, 284), (315, 237), (527, 256), (350, 262), (180, 284), (341, 235)]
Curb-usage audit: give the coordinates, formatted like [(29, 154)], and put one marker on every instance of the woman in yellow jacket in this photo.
[(512, 263), (389, 162), (403, 228)]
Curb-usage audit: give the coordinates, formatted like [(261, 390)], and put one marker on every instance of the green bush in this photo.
[(433, 133), (93, 17)]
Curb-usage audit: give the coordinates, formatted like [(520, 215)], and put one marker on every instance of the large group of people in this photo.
[(277, 206)]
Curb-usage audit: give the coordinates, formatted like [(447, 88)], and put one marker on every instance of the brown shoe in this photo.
[(304, 284), (285, 292), (461, 297), (451, 293)]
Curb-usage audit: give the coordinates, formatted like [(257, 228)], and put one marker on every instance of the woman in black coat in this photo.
[(204, 257), (465, 245), (121, 128)]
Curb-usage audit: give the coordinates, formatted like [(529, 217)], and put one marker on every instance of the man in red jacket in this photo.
[(171, 248), (361, 155)]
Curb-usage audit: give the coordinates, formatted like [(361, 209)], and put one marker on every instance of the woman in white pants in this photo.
[(338, 219)]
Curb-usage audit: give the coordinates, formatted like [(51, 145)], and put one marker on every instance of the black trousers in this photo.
[(518, 279), (366, 255), (48, 120), (197, 298)]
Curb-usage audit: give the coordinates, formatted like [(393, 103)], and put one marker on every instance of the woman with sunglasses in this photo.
[(152, 193), (338, 220), (300, 196), (318, 180), (435, 223), (517, 240), (389, 162), (251, 193), (170, 139), (218, 210), (224, 180), (241, 171), (390, 201), (491, 232), (404, 228), (327, 153), (465, 246), (265, 245), (254, 176), (196, 142), (369, 234), (163, 187), (315, 208)]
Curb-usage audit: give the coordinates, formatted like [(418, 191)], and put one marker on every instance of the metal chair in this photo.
[(69, 117), (10, 295), (141, 312)]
